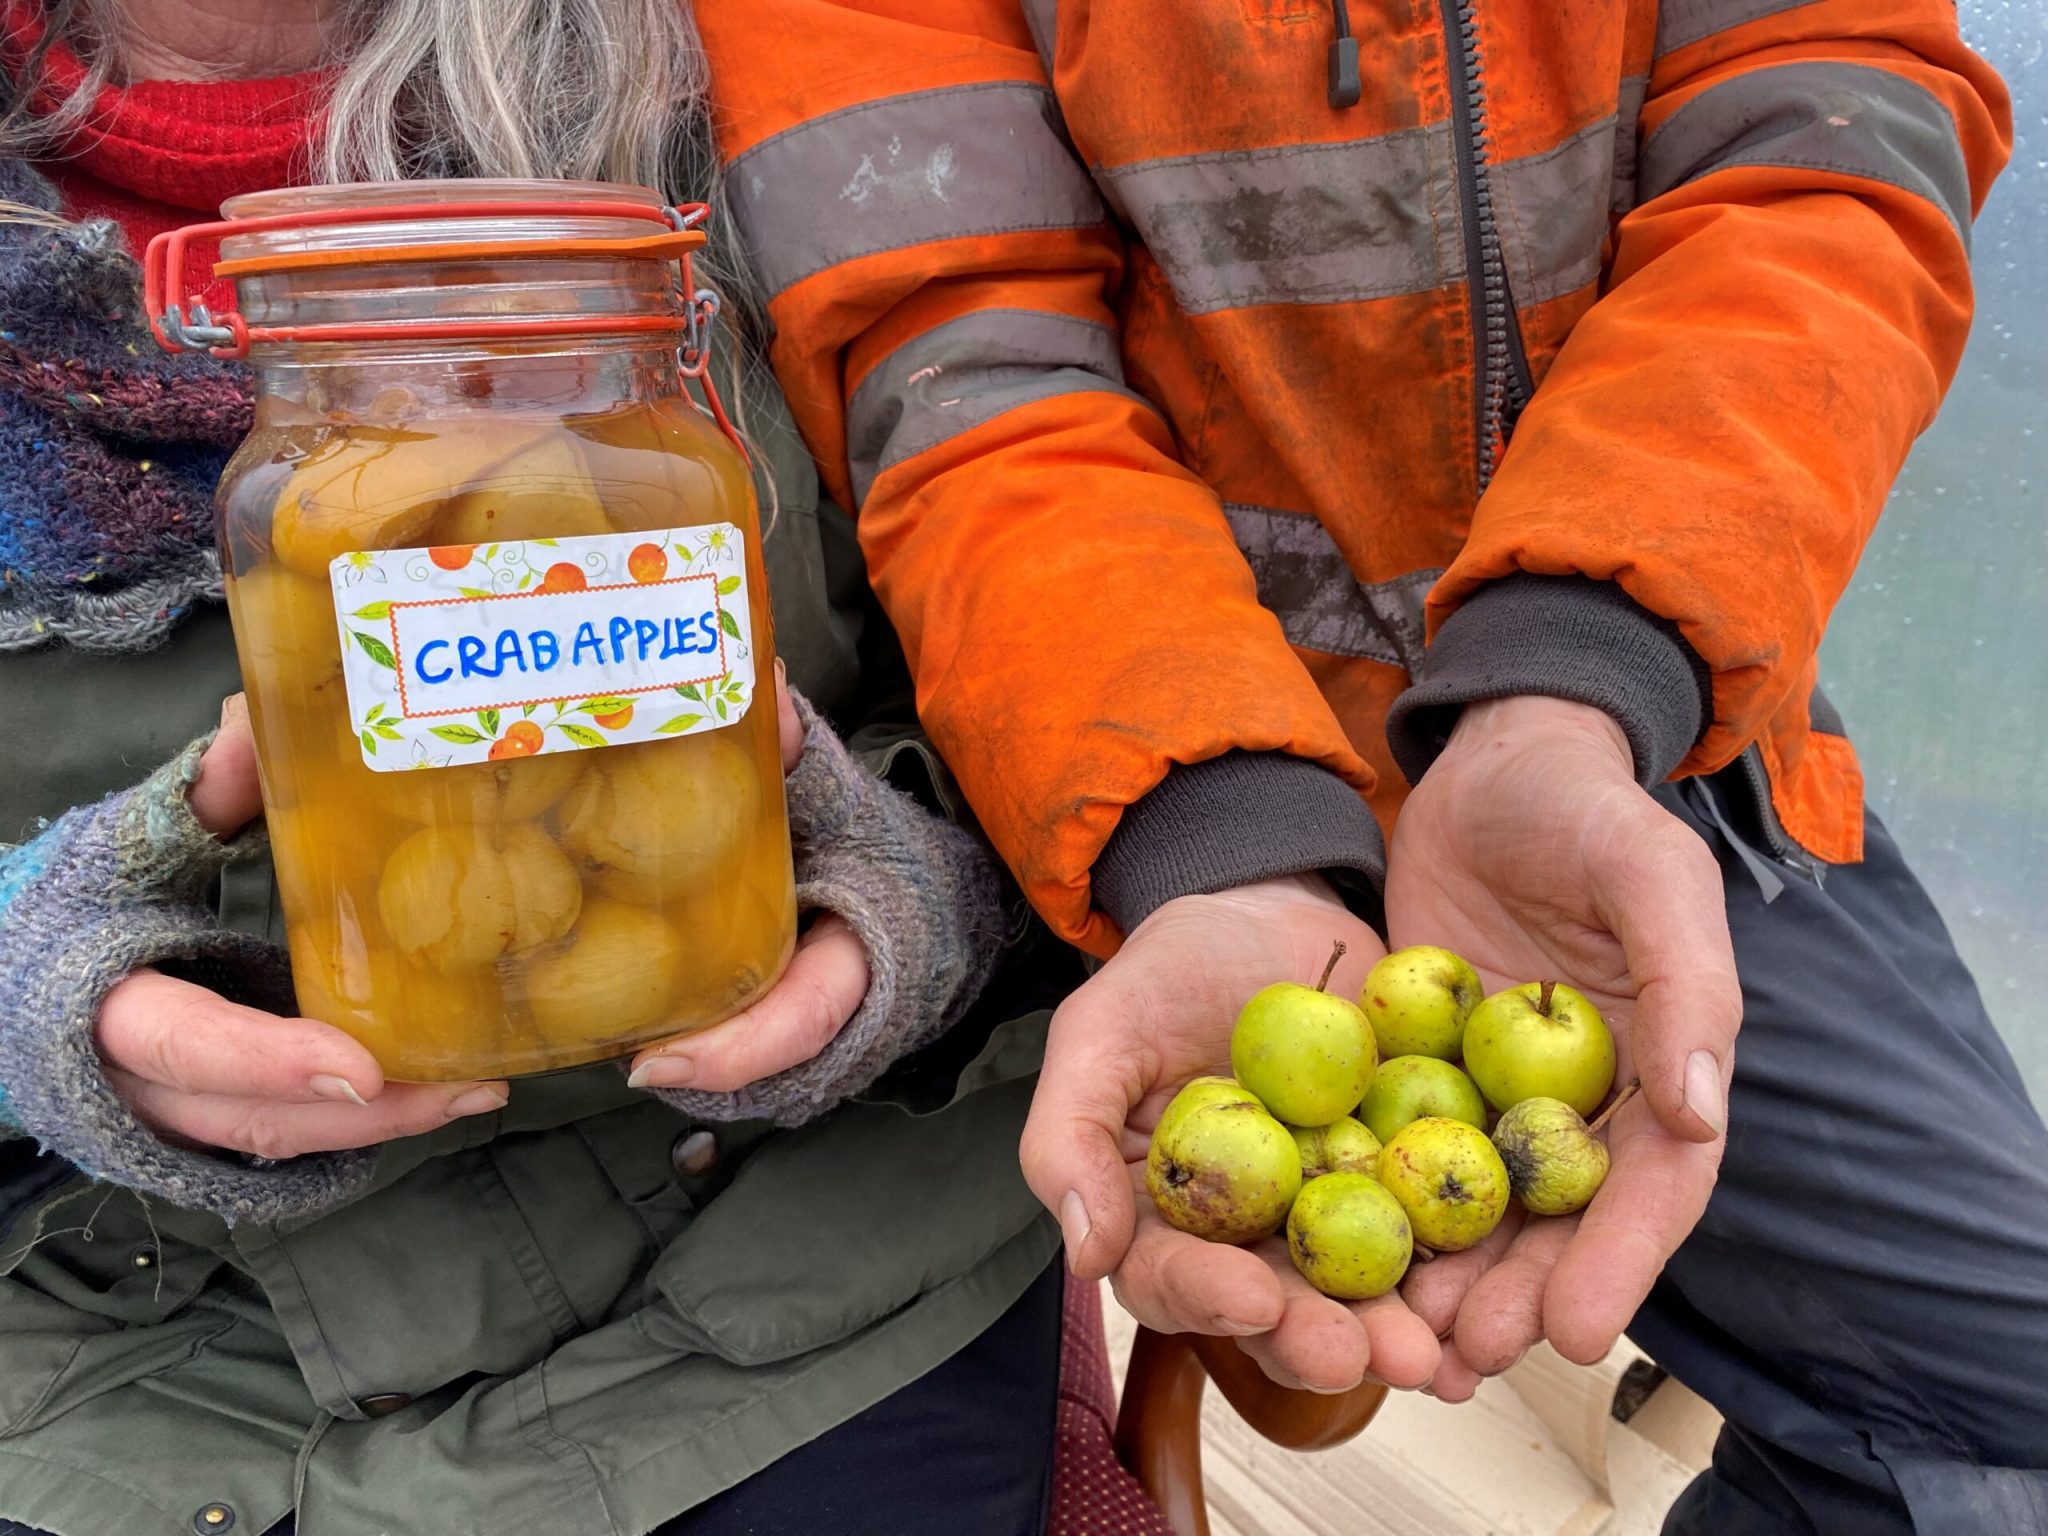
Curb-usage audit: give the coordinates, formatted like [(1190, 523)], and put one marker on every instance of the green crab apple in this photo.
[(1543, 1040), (1342, 1146), (1409, 1087), (1556, 1162), (1307, 1055), (1418, 999), (1349, 1238), (1203, 1090), (1449, 1179), (1225, 1170)]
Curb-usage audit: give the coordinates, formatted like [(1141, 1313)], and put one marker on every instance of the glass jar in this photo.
[(497, 590)]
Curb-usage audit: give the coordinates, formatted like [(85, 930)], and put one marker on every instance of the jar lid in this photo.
[(451, 220), (426, 221), (396, 221)]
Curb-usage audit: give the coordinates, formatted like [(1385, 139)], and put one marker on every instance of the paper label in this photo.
[(469, 653)]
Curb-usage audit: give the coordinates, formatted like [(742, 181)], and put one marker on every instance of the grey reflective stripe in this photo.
[(1849, 118), (1367, 219), (1627, 136), (1042, 17), (978, 159), (1322, 606), (1551, 210), (1680, 22), (1300, 223), (968, 371)]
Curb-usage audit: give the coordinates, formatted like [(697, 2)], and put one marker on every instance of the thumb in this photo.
[(1658, 888), (227, 796), (789, 724), (1072, 1146)]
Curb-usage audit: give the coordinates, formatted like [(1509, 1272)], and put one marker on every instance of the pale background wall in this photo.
[(1938, 656)]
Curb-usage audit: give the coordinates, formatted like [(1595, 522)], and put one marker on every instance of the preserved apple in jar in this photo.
[(502, 617)]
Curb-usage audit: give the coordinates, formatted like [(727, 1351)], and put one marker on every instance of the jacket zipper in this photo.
[(1501, 384), (1345, 86), (1775, 837)]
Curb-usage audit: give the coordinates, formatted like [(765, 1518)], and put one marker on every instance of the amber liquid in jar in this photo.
[(540, 908)]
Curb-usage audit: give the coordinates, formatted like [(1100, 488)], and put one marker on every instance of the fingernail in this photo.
[(1074, 1225), (328, 1086), (781, 672), (1703, 1094), (662, 1072), (478, 1101)]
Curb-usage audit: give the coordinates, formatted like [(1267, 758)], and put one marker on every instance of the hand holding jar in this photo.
[(200, 1068), (501, 608)]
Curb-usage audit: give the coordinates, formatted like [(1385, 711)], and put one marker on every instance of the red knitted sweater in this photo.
[(160, 153)]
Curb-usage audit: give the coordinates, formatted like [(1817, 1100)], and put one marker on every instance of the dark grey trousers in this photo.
[(1866, 1300)]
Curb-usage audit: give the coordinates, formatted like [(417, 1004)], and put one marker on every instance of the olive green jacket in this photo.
[(580, 1314)]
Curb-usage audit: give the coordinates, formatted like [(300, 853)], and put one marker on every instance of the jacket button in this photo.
[(384, 1404), (694, 1154), (213, 1519)]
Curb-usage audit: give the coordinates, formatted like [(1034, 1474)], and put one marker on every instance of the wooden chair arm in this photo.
[(1159, 1422), (1300, 1421)]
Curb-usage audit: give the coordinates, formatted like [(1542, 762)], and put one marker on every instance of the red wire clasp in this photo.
[(190, 327)]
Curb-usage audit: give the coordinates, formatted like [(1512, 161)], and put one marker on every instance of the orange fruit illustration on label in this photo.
[(522, 738), (563, 576), (451, 557), (648, 562), (617, 720)]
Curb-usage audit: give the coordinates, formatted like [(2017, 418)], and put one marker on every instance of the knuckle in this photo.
[(263, 1135), (159, 1048), (817, 1011), (1685, 853), (716, 1073), (1141, 1270), (1037, 1154)]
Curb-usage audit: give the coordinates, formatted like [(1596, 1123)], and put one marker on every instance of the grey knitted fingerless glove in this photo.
[(103, 890), (925, 900)]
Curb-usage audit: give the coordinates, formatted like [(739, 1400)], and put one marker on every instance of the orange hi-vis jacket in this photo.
[(1179, 383)]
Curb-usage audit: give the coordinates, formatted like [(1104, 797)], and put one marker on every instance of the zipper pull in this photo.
[(1345, 86)]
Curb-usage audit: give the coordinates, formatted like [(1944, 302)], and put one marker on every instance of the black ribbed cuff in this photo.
[(1236, 819), (1560, 637)]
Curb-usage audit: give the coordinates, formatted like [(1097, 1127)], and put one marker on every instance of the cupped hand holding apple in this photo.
[(1156, 1016), (1529, 849)]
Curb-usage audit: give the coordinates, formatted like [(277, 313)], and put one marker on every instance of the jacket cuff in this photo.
[(1233, 820), (163, 854), (1560, 637), (925, 901), (64, 944)]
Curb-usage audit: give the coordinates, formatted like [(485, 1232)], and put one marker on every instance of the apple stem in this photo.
[(1336, 954), (1543, 998), (1423, 1255), (1628, 1092)]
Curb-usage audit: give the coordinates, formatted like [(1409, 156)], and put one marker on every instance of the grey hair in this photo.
[(83, 27), (597, 90), (587, 90)]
